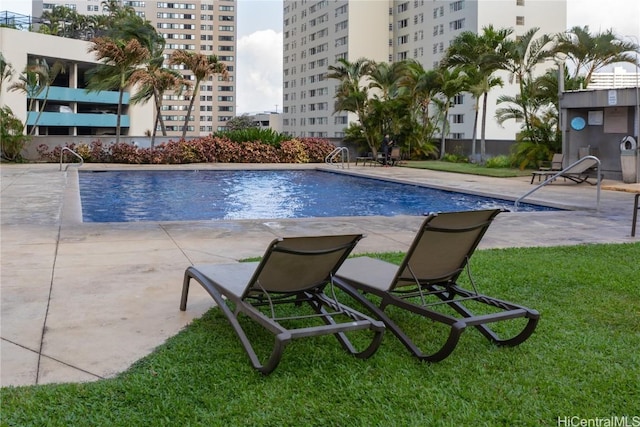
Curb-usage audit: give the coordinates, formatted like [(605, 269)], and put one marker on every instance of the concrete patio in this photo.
[(83, 301)]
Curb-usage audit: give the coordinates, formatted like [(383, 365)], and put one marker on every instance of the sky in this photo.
[(259, 58)]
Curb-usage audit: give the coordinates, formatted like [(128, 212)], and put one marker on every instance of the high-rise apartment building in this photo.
[(202, 26), (319, 32)]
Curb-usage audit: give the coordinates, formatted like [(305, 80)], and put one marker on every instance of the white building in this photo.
[(618, 78), (203, 26), (319, 32), (69, 109)]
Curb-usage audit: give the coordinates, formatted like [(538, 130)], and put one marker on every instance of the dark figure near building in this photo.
[(385, 147)]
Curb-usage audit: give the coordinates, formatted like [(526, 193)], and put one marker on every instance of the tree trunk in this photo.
[(191, 102), (119, 115), (155, 122), (444, 133), (483, 127), (475, 131)]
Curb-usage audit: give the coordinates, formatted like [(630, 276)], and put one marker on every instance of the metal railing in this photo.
[(568, 170), (339, 152), (72, 152)]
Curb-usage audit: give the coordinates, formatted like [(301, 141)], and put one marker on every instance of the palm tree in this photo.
[(34, 81), (154, 82), (202, 66), (451, 82), (422, 86), (522, 56), (386, 77), (6, 71), (50, 74), (352, 96), (481, 56), (30, 82), (589, 53), (60, 21), (119, 60), (153, 78)]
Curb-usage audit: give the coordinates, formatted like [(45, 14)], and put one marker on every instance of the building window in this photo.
[(456, 6), (458, 99), (519, 20), (457, 118), (403, 7), (458, 24), (519, 2), (403, 23)]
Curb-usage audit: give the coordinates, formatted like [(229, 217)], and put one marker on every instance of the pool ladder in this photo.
[(72, 152), (338, 154)]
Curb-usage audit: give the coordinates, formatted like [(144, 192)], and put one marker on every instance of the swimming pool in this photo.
[(129, 196)]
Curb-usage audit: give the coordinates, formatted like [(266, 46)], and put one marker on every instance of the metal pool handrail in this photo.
[(343, 152), (550, 179), (72, 152)]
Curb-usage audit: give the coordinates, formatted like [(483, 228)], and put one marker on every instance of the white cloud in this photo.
[(621, 16), (259, 72)]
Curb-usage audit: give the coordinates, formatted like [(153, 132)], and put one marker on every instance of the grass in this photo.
[(468, 168), (583, 360)]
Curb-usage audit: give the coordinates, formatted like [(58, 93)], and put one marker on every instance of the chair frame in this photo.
[(234, 301), (444, 289)]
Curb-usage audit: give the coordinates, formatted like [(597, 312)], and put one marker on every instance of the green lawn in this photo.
[(583, 361), (468, 168)]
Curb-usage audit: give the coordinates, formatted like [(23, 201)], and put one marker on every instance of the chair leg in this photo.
[(281, 339), (457, 327), (377, 329), (185, 291), (511, 311)]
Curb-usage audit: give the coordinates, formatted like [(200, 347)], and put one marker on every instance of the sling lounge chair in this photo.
[(578, 172), (293, 271), (425, 284), (555, 165), (394, 156)]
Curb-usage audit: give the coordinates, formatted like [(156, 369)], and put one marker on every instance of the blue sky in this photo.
[(259, 66)]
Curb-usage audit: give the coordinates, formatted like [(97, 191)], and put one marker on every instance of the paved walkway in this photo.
[(81, 302)]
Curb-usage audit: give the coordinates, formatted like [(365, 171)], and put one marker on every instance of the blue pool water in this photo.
[(117, 196)]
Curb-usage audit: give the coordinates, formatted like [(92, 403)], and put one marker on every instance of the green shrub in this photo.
[(497, 162), (265, 136), (198, 150), (455, 158), (12, 140)]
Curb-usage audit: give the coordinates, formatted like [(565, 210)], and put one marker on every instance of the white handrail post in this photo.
[(72, 152)]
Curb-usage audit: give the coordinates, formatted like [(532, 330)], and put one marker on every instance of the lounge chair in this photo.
[(368, 158), (425, 284), (554, 165), (394, 156), (293, 271), (578, 172), (393, 159)]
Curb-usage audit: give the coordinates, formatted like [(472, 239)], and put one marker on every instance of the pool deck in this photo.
[(81, 302)]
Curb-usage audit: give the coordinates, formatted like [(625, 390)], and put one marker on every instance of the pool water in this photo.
[(127, 196)]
